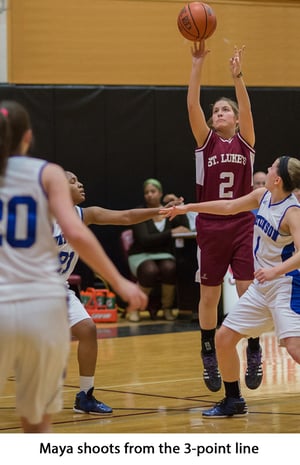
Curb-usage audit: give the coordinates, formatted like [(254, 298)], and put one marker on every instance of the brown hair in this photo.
[(19, 122)]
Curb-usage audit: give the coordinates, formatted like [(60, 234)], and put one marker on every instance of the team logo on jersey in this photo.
[(60, 240), (266, 227)]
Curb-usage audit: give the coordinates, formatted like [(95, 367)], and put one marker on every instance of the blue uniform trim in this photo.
[(295, 295)]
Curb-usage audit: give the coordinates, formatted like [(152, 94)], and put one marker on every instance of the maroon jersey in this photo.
[(224, 168)]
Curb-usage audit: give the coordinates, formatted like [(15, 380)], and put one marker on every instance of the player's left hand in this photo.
[(265, 274)]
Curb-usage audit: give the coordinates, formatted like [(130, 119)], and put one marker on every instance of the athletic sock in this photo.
[(86, 383), (253, 344), (208, 341), (232, 389)]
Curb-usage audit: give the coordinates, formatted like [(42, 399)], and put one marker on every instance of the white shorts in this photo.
[(76, 311), (263, 308), (34, 345)]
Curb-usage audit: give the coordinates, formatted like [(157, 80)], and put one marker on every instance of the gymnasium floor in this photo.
[(151, 374)]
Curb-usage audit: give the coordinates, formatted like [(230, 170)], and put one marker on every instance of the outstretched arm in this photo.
[(99, 215), (197, 119), (246, 125), (83, 240), (217, 207), (104, 216)]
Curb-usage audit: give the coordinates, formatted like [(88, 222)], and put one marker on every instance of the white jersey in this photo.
[(67, 255), (273, 304), (28, 255), (270, 247)]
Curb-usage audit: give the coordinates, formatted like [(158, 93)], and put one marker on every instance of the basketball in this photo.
[(197, 21)]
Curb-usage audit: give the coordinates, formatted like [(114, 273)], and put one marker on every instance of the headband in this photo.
[(155, 183), (284, 173)]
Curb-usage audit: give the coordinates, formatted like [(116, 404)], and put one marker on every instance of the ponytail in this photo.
[(19, 122)]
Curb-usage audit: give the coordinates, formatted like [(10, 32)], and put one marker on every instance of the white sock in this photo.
[(86, 383)]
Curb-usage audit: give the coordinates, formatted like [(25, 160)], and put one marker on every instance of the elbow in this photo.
[(191, 105)]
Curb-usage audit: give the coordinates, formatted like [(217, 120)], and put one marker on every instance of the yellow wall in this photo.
[(121, 42)]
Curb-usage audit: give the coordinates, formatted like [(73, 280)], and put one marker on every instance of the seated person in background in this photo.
[(259, 179), (190, 215), (151, 259)]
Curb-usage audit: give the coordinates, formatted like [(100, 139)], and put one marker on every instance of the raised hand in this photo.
[(198, 50), (235, 61)]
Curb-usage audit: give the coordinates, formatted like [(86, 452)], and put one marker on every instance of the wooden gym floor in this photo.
[(151, 374)]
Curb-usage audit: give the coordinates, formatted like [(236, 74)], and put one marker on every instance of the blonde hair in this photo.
[(294, 172), (289, 171)]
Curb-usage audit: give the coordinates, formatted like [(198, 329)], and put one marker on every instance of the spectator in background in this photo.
[(259, 179), (151, 259)]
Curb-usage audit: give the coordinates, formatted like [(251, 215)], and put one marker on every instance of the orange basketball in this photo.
[(197, 21)]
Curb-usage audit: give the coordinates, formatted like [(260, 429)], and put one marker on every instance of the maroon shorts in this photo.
[(223, 243)]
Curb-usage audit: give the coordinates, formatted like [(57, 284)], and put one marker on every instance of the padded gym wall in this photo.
[(114, 138)]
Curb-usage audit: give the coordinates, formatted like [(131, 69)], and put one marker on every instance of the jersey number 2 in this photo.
[(225, 191)]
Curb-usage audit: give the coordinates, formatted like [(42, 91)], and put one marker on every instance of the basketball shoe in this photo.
[(211, 374), (254, 372), (228, 407), (87, 403)]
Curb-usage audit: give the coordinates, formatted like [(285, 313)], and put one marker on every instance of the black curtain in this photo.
[(114, 137)]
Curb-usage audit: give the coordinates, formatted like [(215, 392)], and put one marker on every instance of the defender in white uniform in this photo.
[(34, 328), (276, 302), (272, 301), (34, 331), (68, 259), (82, 326)]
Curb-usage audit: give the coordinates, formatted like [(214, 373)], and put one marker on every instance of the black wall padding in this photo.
[(114, 138)]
